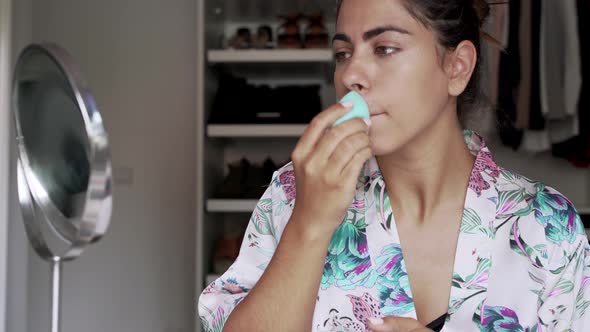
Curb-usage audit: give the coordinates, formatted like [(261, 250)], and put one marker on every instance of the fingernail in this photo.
[(367, 122), (347, 104), (376, 320)]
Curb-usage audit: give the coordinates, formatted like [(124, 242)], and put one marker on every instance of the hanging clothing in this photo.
[(534, 137), (497, 27), (560, 68), (577, 150), (536, 118), (522, 260), (509, 80), (523, 104)]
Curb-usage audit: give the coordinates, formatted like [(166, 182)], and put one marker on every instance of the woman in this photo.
[(483, 248)]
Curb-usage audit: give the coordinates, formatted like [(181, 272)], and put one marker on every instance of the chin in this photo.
[(381, 150)]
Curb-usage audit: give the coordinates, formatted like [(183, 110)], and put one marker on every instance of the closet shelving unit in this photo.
[(220, 144)]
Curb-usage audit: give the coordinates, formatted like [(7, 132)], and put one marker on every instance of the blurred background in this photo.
[(204, 99)]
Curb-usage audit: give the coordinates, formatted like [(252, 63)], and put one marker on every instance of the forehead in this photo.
[(366, 14)]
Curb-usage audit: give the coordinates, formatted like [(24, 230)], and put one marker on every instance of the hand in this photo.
[(396, 324), (327, 161)]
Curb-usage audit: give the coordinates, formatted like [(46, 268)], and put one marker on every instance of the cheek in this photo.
[(424, 82), (412, 91)]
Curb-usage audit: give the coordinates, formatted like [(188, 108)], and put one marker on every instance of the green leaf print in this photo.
[(383, 206), (563, 287), (217, 322), (508, 175), (536, 279), (581, 307), (509, 200), (570, 258), (345, 234), (542, 249), (474, 280), (518, 245), (347, 264), (472, 223), (260, 217), (456, 303)]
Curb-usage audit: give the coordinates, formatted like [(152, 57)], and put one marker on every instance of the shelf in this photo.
[(263, 130), (231, 205), (265, 56)]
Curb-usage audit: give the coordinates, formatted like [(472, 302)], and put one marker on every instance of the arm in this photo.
[(565, 299), (565, 307), (262, 293), (282, 295)]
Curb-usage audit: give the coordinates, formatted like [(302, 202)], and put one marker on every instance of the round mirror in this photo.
[(63, 160), (62, 153)]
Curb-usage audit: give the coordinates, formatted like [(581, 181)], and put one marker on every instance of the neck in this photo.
[(430, 174)]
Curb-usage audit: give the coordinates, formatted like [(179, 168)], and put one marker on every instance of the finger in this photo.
[(355, 165), (334, 137), (316, 128), (346, 150), (395, 324)]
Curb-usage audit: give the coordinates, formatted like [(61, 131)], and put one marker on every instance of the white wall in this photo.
[(18, 247), (139, 59)]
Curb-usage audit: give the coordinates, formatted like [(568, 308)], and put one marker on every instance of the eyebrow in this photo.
[(371, 33)]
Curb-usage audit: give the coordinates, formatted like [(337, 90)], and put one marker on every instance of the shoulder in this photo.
[(283, 183), (544, 223)]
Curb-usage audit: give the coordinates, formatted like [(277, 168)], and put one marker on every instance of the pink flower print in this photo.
[(209, 289), (232, 287), (364, 308), (287, 180), (358, 205), (484, 163)]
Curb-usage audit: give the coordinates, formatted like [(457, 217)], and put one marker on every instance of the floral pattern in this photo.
[(497, 319), (522, 261), (557, 215)]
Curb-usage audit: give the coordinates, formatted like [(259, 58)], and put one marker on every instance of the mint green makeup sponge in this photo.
[(359, 110)]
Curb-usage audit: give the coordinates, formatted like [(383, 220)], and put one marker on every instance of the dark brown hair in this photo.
[(454, 21)]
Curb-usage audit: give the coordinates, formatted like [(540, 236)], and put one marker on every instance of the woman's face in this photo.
[(391, 59)]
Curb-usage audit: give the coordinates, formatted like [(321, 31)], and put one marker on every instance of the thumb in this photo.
[(396, 324)]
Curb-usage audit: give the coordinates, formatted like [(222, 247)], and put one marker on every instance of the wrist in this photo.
[(310, 231)]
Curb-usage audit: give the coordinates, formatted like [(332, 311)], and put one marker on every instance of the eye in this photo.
[(386, 50), (341, 56)]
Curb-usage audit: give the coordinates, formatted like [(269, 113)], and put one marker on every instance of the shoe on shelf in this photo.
[(233, 184), (226, 252), (288, 33), (241, 40), (263, 38), (238, 102), (259, 178), (316, 35), (246, 179)]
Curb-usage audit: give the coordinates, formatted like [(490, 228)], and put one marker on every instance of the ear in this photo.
[(460, 66)]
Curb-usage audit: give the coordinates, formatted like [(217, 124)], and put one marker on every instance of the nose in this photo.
[(355, 76)]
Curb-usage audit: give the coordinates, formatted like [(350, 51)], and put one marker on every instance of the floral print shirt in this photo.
[(522, 261)]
